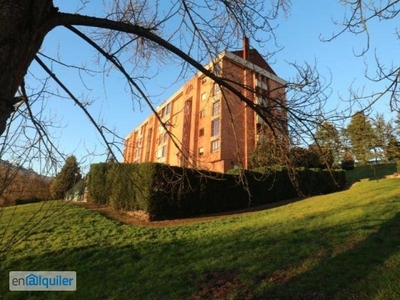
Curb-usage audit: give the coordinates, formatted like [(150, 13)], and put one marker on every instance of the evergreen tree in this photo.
[(65, 180), (383, 133), (327, 137), (392, 151), (362, 137)]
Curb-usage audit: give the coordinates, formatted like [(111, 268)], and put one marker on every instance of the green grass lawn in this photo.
[(371, 172), (339, 246)]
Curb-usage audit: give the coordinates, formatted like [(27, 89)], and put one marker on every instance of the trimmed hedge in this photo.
[(167, 192), (98, 191), (280, 183)]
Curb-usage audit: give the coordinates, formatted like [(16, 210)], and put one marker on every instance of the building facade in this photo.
[(208, 127)]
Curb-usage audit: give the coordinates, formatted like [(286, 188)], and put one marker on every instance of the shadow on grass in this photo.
[(355, 273), (250, 261), (127, 219), (99, 269)]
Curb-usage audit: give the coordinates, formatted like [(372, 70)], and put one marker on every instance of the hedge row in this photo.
[(166, 192), (278, 183)]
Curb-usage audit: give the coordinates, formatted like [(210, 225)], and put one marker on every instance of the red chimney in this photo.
[(246, 48)]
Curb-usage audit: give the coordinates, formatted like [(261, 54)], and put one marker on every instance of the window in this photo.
[(215, 108), (164, 151), (217, 69), (139, 143), (262, 101), (161, 113), (138, 152), (168, 109), (201, 151), (149, 133), (161, 152), (189, 89), (203, 96), (165, 138), (158, 153), (202, 113), (201, 132), (215, 146), (149, 136), (214, 127), (216, 89)]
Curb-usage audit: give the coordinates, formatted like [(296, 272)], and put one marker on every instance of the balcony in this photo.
[(261, 84), (260, 120)]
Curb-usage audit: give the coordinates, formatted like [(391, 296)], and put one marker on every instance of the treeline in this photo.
[(19, 185), (364, 140)]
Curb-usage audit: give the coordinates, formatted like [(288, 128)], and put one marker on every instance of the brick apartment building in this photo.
[(213, 129)]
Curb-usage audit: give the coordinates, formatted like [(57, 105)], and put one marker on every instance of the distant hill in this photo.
[(20, 185)]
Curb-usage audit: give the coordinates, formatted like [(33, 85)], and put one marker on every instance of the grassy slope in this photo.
[(371, 172), (338, 246)]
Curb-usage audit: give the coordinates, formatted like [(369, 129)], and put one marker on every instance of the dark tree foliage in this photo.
[(347, 162), (362, 137), (66, 179), (320, 157), (328, 137), (299, 157), (313, 157), (392, 151), (267, 154)]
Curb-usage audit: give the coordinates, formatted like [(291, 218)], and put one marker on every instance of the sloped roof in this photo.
[(255, 58)]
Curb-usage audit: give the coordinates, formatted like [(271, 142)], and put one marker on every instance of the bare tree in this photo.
[(136, 32), (131, 35), (359, 16)]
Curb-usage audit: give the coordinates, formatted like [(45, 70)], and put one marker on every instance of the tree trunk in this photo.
[(23, 26)]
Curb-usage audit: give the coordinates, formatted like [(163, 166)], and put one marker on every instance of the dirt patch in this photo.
[(278, 276), (221, 285), (140, 218), (395, 175), (125, 217)]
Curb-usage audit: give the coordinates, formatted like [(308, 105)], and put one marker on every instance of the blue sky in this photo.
[(299, 34)]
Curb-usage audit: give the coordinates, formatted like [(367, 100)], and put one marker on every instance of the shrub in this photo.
[(267, 152), (320, 157), (299, 157), (348, 165), (167, 192), (66, 178), (27, 201), (347, 162)]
